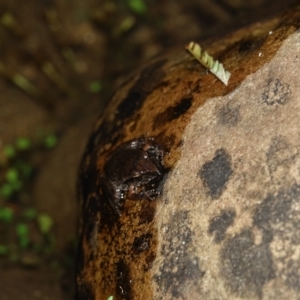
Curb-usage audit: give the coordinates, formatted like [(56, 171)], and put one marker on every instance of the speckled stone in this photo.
[(226, 223)]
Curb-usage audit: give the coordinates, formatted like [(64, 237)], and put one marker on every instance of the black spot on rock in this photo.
[(149, 79), (172, 112), (220, 223), (216, 173), (229, 116), (276, 92), (276, 210), (280, 155), (279, 221), (277, 148), (292, 274), (246, 267), (123, 286), (179, 267)]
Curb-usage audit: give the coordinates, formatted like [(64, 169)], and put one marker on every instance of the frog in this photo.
[(133, 171)]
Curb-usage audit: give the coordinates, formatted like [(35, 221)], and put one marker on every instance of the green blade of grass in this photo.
[(23, 143), (3, 250), (23, 235), (45, 223), (6, 214), (50, 141), (137, 6)]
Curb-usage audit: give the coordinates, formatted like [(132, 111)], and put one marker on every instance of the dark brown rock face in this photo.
[(223, 219)]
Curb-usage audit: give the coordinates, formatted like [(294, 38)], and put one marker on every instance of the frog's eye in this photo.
[(214, 66)]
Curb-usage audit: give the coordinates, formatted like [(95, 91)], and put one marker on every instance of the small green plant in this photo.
[(23, 235), (45, 223), (30, 214), (6, 214), (137, 6), (95, 87), (50, 141), (22, 227), (9, 151), (23, 144), (3, 250)]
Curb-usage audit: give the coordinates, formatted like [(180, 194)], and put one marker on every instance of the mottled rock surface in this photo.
[(226, 223)]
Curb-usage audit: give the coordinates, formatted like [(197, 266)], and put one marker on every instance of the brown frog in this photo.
[(134, 171), (229, 203)]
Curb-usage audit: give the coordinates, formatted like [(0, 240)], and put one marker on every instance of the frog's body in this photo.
[(225, 225)]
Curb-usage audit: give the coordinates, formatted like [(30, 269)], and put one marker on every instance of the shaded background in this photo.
[(59, 63)]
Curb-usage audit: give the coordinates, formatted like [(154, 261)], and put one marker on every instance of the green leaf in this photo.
[(50, 141), (9, 151), (125, 25), (12, 178), (23, 83), (3, 250), (45, 223), (12, 175), (8, 20), (95, 87), (23, 144), (6, 214), (137, 6), (30, 213), (23, 235), (24, 168), (6, 190), (17, 185)]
